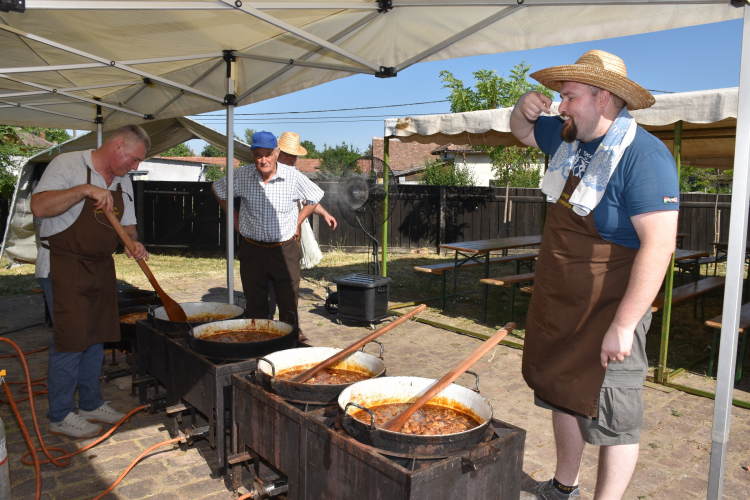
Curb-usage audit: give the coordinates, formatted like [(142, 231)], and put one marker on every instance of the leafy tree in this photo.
[(249, 135), (11, 149), (58, 135), (694, 179), (312, 151), (214, 173), (212, 151), (440, 173), (335, 159), (181, 150)]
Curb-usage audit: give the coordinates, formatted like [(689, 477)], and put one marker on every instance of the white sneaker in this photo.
[(105, 414), (74, 426)]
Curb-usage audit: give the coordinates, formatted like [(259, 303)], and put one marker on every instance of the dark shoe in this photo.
[(547, 491)]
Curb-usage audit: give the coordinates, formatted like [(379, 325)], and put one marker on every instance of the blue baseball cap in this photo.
[(264, 140)]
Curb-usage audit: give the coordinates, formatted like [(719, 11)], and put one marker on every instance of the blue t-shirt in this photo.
[(644, 181)]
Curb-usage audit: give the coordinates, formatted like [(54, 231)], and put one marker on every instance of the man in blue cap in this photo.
[(270, 226)]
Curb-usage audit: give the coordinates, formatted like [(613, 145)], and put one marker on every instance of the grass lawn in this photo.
[(689, 338)]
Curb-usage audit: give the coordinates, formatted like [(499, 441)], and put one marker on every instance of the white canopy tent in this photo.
[(100, 64), (20, 238)]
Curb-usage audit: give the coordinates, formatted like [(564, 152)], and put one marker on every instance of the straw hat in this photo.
[(600, 69), (289, 143)]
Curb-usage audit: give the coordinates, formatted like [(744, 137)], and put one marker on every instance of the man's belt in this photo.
[(266, 244)]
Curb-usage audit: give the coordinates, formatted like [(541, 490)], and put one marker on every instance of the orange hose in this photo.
[(134, 462), (245, 496), (26, 436), (24, 353)]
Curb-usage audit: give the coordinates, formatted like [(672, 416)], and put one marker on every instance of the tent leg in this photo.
[(99, 123), (230, 179), (384, 232), (734, 277)]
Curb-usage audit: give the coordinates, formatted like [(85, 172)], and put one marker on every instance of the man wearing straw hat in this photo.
[(612, 193)]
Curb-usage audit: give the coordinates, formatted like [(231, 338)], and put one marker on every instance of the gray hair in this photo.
[(618, 101), (130, 134)]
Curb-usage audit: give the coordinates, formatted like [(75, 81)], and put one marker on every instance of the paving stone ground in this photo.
[(675, 445)]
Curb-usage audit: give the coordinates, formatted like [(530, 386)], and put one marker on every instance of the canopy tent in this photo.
[(197, 56), (709, 120), (20, 239)]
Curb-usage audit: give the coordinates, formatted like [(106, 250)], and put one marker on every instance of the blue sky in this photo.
[(680, 60)]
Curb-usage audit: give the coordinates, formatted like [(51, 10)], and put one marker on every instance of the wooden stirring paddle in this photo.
[(396, 423), (174, 310), (303, 377)]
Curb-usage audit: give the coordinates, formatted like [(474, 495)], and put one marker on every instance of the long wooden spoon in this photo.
[(396, 423), (303, 377), (174, 310)]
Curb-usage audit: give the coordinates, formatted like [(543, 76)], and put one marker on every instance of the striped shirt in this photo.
[(268, 212)]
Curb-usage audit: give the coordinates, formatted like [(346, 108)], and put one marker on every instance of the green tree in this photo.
[(215, 172), (312, 151), (58, 135), (212, 151), (249, 136), (704, 180), (440, 173), (181, 150), (11, 149), (335, 159)]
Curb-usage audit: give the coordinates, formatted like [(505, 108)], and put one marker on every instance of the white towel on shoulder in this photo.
[(590, 190)]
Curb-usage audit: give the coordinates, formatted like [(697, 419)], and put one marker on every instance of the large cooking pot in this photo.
[(216, 311), (307, 357), (386, 390), (128, 330), (288, 336), (131, 297)]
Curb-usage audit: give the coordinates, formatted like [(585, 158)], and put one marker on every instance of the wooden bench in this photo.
[(690, 291), (715, 323), (441, 269), (512, 282)]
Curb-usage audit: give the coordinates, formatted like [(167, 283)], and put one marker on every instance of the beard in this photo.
[(569, 130)]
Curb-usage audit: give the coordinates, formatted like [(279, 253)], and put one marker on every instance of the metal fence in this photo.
[(186, 215)]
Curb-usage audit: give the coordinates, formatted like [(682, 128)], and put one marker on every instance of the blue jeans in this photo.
[(68, 369)]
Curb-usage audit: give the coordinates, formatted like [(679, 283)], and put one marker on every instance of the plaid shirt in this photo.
[(268, 212)]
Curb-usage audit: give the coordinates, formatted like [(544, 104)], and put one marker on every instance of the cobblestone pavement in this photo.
[(675, 445)]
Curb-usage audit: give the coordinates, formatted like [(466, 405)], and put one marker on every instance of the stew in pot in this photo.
[(327, 376), (133, 317), (240, 336), (430, 420)]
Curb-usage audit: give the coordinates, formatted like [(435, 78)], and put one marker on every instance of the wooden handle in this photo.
[(303, 377), (396, 423)]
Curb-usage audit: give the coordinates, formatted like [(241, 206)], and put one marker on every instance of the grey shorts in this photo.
[(619, 417)]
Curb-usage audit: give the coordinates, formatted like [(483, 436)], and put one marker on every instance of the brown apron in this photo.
[(580, 280), (84, 283)]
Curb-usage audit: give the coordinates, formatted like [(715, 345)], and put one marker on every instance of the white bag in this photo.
[(311, 254)]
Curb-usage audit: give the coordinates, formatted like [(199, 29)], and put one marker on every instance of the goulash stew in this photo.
[(240, 336), (430, 420), (327, 376), (133, 317)]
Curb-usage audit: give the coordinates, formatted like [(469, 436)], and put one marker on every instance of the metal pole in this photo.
[(230, 182), (384, 233), (735, 274), (544, 197), (661, 369), (99, 123)]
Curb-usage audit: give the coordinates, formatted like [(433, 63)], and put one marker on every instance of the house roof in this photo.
[(403, 155), (307, 164), (455, 148), (213, 160), (33, 141)]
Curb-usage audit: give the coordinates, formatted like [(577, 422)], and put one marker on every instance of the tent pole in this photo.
[(666, 315), (229, 58), (11, 211), (384, 232), (99, 122), (544, 197), (734, 277)]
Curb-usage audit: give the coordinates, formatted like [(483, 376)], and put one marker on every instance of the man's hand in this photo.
[(102, 198), (534, 104), (140, 252), (616, 345), (330, 221), (236, 221), (298, 234)]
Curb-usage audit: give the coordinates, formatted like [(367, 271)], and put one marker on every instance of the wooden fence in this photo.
[(186, 215)]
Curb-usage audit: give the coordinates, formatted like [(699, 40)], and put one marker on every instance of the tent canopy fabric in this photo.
[(709, 121), (163, 59), (20, 238)]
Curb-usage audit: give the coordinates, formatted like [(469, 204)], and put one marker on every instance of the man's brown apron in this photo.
[(84, 283), (580, 281)]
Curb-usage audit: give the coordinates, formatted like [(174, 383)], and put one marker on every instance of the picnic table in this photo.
[(474, 250), (681, 255), (680, 238)]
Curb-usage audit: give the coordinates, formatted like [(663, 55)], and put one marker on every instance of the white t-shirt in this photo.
[(64, 172)]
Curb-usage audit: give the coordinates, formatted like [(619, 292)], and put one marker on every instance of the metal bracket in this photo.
[(148, 117), (739, 3), (478, 464), (384, 6), (230, 100), (13, 5), (147, 81), (386, 72)]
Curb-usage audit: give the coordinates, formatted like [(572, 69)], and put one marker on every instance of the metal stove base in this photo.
[(321, 461)]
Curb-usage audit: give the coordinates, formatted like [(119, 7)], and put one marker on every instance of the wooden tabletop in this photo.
[(744, 319), (683, 235), (484, 246), (681, 254), (723, 245)]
